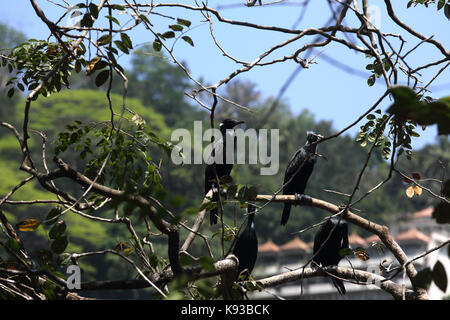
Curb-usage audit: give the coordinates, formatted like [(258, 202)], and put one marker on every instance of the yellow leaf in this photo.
[(90, 67), (418, 190), (410, 192), (28, 225), (121, 246), (362, 255)]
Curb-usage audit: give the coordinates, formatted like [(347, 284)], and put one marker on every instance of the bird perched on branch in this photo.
[(218, 168), (246, 247), (298, 172), (251, 3), (326, 252)]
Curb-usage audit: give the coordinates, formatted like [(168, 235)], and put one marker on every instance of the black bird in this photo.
[(329, 255), (246, 247), (299, 169), (222, 169)]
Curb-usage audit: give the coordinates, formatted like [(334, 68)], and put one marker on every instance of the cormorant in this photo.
[(300, 169), (329, 254), (246, 247), (222, 169)]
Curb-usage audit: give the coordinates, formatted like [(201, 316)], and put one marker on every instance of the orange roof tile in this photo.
[(268, 246), (295, 244), (412, 234), (424, 213), (355, 239)]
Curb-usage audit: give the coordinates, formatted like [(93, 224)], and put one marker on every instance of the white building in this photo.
[(415, 233)]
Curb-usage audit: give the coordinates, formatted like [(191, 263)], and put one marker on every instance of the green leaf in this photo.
[(447, 10), (188, 40), (10, 93), (208, 206), (157, 45), (144, 18), (52, 216), (168, 34), (49, 290), (186, 260), (371, 80), (226, 179), (176, 27), (345, 252), (440, 276), (59, 245), (13, 244), (64, 259), (113, 20), (101, 78), (126, 40), (118, 7), (231, 191), (207, 263), (105, 39), (184, 22), (121, 46), (57, 230)]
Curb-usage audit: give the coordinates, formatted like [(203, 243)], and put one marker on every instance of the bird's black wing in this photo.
[(246, 249), (293, 166), (344, 235), (322, 235)]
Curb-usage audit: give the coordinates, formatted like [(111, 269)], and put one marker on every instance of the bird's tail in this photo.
[(213, 216), (339, 285), (286, 212)]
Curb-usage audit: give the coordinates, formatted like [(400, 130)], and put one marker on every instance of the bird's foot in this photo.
[(302, 199)]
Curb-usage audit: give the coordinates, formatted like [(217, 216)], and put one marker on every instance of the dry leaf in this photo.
[(410, 192), (415, 175), (28, 225), (406, 180), (121, 246), (418, 190), (91, 66), (362, 255)]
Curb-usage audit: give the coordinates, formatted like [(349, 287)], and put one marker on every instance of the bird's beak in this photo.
[(238, 122), (319, 136)]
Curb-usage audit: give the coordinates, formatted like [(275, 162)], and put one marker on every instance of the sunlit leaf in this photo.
[(28, 225), (362, 254), (417, 190), (121, 246), (91, 65), (410, 191)]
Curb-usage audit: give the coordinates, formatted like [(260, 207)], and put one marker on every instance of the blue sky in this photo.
[(328, 92)]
